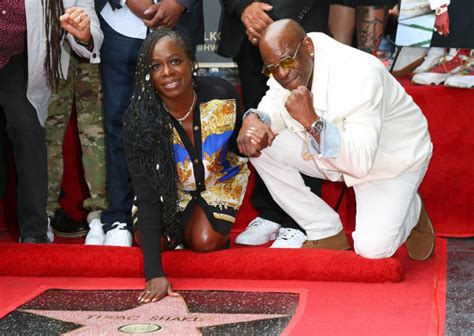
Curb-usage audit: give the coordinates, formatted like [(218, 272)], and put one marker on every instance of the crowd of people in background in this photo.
[(178, 157)]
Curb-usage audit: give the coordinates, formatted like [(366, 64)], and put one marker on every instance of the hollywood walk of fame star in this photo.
[(169, 314)]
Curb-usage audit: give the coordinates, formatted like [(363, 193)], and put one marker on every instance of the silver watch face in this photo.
[(318, 126)]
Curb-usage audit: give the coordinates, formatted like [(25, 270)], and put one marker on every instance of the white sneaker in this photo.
[(464, 78), (49, 232), (289, 238), (96, 235), (432, 57), (445, 68), (258, 232), (118, 236)]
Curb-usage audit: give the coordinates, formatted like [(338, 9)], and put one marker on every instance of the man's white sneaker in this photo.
[(96, 235), (118, 235), (289, 238), (259, 231)]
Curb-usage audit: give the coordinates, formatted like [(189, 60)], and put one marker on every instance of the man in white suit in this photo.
[(335, 113), (30, 63)]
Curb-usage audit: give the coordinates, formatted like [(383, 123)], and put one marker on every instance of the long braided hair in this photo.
[(53, 9), (150, 131)]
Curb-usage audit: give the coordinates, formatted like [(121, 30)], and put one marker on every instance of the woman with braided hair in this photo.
[(180, 141)]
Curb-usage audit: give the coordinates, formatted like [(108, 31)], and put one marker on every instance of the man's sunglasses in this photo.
[(286, 63)]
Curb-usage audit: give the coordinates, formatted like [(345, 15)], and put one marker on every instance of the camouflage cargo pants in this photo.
[(83, 86)]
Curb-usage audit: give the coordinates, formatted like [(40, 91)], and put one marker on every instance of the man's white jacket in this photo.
[(383, 133)]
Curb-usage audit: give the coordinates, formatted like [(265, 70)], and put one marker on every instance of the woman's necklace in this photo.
[(191, 108)]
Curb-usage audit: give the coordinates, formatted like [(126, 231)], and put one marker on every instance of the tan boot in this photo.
[(421, 241), (336, 242)]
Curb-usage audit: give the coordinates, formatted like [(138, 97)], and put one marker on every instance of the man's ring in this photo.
[(147, 292), (254, 40)]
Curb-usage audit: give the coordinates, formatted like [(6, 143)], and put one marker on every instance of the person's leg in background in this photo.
[(367, 17), (90, 123), (81, 88), (254, 86), (371, 19), (118, 61), (341, 22), (254, 83), (3, 155), (59, 113), (28, 141)]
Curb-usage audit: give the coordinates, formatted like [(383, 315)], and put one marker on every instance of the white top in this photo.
[(123, 21)]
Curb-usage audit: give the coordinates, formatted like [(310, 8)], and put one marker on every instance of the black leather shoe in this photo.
[(65, 226), (43, 239)]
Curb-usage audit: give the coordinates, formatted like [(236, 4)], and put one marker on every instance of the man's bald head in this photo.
[(286, 29), (286, 39)]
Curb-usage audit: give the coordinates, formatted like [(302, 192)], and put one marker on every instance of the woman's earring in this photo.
[(147, 77)]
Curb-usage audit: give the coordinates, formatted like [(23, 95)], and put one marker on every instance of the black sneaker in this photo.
[(65, 226), (43, 239)]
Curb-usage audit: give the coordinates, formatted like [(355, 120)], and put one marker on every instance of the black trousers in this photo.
[(19, 122), (3, 156), (253, 89)]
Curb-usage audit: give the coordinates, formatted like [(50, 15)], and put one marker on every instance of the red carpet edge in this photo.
[(66, 260)]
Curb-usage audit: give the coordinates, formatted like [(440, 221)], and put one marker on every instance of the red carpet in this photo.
[(67, 260), (414, 306), (448, 188)]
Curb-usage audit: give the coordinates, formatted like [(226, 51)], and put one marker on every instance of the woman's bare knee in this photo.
[(207, 242)]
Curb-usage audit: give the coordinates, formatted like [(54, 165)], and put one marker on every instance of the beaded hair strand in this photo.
[(53, 9), (150, 131)]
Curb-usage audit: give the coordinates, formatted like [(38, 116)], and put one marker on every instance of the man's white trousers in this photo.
[(387, 210)]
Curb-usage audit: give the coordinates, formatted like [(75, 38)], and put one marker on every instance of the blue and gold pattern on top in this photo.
[(226, 174)]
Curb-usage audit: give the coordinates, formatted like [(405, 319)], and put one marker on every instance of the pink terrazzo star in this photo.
[(169, 316)]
